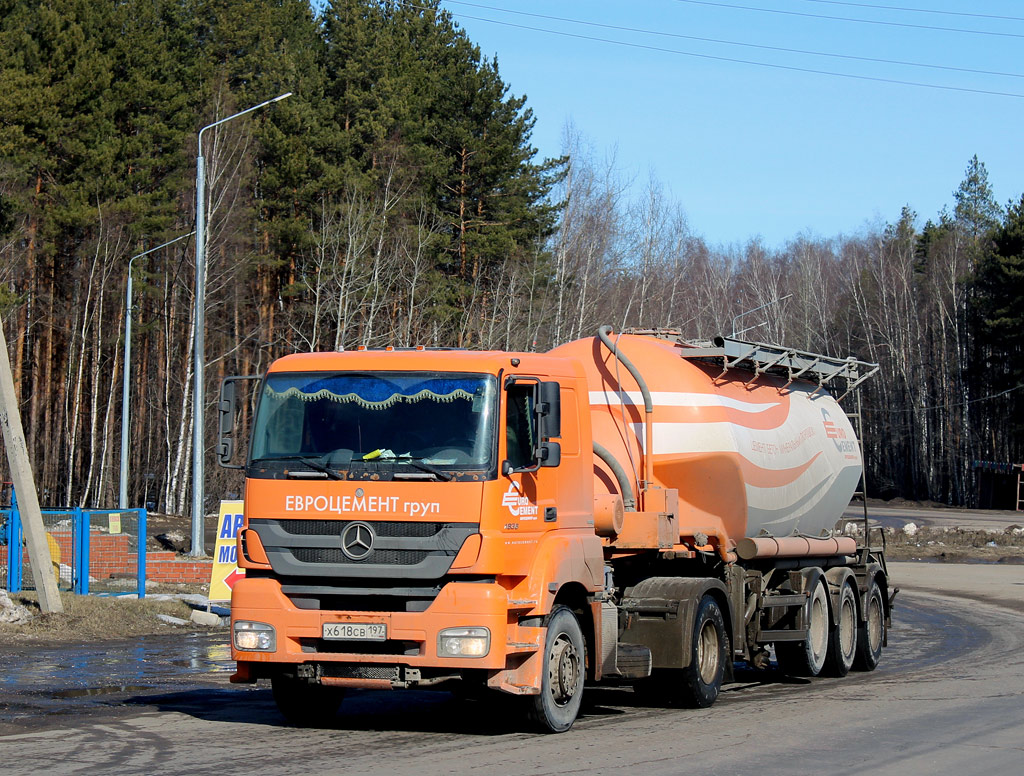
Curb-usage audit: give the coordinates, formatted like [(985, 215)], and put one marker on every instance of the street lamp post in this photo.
[(122, 496), (198, 448)]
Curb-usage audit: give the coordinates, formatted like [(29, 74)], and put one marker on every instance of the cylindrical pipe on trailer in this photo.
[(628, 499), (602, 334), (794, 547)]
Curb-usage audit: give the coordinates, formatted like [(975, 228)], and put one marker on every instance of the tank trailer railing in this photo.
[(762, 358)]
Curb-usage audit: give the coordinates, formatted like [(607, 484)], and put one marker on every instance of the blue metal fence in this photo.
[(84, 525)]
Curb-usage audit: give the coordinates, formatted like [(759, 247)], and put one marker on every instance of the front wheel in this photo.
[(561, 687), (303, 703)]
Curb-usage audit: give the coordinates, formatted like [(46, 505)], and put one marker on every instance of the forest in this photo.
[(396, 199)]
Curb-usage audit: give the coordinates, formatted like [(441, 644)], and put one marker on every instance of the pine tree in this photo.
[(998, 318), (976, 209), (1000, 284)]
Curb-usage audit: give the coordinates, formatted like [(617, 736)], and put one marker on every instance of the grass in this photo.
[(93, 618)]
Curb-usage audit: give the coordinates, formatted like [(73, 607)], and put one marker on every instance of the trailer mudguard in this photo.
[(660, 613)]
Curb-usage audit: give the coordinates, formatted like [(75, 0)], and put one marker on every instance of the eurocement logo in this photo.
[(517, 504), (837, 434)]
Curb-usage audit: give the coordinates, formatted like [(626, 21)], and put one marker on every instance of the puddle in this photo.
[(91, 691), (77, 670)]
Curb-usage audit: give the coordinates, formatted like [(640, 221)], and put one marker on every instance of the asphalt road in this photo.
[(947, 698)]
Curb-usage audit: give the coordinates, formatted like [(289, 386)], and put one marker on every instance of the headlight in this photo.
[(254, 636), (463, 642)]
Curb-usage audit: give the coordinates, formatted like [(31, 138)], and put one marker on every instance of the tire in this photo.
[(871, 632), (303, 703), (563, 673), (701, 681), (807, 657), (842, 638)]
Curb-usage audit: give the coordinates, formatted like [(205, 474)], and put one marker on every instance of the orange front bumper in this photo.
[(299, 632)]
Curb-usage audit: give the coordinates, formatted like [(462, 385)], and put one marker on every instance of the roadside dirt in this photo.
[(97, 618), (956, 545)]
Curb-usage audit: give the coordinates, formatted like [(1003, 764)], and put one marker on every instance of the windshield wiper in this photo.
[(312, 463), (383, 455), (426, 467)]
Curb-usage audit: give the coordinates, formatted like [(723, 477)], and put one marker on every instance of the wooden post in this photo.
[(25, 488)]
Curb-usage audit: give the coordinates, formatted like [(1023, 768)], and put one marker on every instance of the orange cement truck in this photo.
[(627, 509)]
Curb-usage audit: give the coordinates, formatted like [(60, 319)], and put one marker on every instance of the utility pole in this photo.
[(25, 487)]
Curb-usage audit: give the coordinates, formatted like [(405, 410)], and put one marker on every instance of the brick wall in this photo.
[(109, 554), (165, 567)]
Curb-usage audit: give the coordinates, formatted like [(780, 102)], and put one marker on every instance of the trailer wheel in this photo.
[(303, 703), (807, 657), (709, 649), (842, 639), (561, 688), (871, 632)]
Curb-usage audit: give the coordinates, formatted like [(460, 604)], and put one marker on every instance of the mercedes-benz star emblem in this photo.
[(357, 541)]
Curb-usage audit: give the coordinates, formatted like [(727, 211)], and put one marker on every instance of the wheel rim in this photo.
[(874, 624), (563, 670), (847, 627), (817, 634), (707, 653)]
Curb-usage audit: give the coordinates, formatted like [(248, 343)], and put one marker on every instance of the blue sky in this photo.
[(750, 150)]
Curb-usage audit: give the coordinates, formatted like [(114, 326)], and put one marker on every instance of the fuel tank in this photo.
[(746, 452)]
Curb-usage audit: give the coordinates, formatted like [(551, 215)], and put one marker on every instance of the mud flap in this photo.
[(523, 679), (244, 674)]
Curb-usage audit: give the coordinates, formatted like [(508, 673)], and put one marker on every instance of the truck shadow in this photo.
[(423, 711), (610, 700), (362, 710)]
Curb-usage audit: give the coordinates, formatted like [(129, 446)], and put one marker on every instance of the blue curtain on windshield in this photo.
[(377, 392)]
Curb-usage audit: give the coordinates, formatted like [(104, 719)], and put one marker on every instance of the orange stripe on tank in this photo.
[(758, 421), (760, 477)]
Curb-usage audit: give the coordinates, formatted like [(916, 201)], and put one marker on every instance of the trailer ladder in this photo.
[(762, 358)]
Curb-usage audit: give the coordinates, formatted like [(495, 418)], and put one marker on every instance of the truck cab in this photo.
[(416, 517)]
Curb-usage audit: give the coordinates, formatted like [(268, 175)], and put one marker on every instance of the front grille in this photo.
[(381, 596), (391, 528), (390, 647), (398, 549), (393, 557)]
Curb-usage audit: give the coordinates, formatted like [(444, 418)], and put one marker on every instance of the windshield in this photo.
[(347, 419)]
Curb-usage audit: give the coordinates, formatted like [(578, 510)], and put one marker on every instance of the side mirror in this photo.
[(227, 408), (549, 408), (225, 450), (550, 453), (545, 419)]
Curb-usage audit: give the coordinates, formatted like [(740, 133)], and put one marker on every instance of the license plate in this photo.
[(356, 631)]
